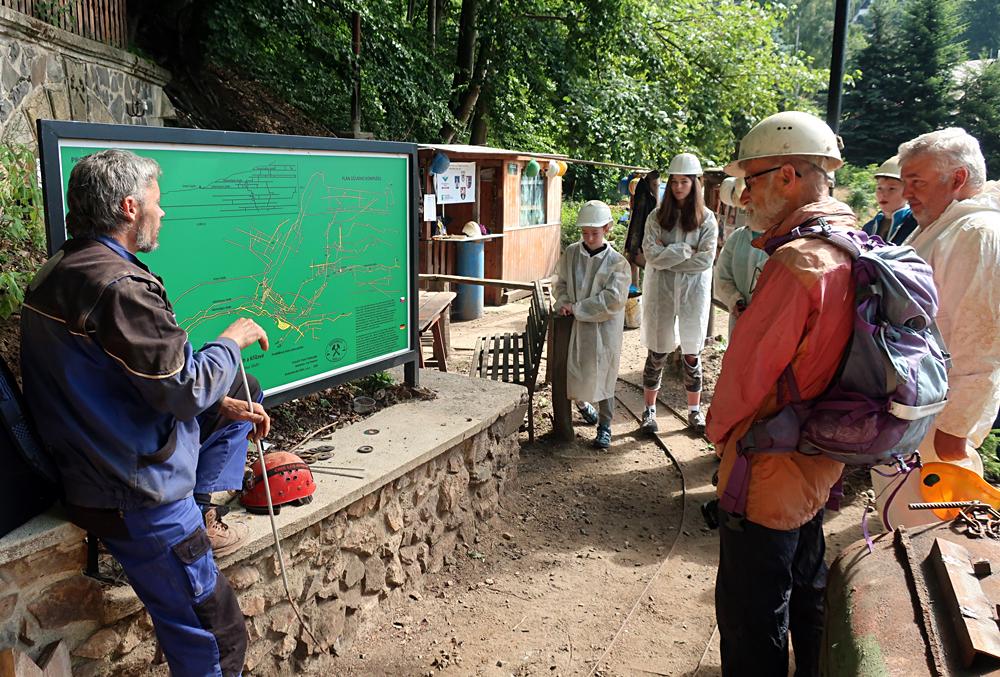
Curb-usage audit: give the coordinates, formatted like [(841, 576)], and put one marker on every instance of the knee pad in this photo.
[(652, 372), (692, 375)]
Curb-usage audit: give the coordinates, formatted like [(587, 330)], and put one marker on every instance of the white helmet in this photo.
[(789, 133), (593, 214), (730, 191), (889, 168), (685, 163), (471, 229)]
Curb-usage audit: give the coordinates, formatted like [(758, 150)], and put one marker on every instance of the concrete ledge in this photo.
[(409, 435), (47, 530), (438, 471)]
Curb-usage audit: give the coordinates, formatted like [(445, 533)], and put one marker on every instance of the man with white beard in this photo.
[(772, 573)]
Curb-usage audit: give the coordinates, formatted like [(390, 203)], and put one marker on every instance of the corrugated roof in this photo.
[(464, 149)]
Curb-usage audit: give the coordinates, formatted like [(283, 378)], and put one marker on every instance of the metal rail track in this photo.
[(637, 415)]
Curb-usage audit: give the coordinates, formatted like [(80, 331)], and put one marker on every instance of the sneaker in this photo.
[(588, 412), (603, 439), (225, 538), (696, 422), (649, 424)]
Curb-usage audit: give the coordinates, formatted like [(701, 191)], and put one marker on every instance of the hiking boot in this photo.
[(696, 422), (588, 412), (649, 424), (603, 439), (225, 538)]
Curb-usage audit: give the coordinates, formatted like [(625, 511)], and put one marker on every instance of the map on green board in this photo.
[(313, 245)]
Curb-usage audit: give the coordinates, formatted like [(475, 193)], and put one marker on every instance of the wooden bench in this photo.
[(433, 313), (515, 358)]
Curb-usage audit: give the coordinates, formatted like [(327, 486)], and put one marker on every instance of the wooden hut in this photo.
[(525, 211)]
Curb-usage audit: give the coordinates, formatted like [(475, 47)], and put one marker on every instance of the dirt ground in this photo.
[(599, 563)]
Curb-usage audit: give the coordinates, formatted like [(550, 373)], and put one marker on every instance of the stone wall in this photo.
[(372, 550), (49, 73)]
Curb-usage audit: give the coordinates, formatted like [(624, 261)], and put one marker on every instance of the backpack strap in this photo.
[(818, 227)]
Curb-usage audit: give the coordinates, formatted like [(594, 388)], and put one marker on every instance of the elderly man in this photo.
[(138, 423), (772, 574), (958, 234)]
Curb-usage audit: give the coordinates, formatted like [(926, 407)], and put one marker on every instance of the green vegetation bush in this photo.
[(991, 462), (22, 229), (859, 182)]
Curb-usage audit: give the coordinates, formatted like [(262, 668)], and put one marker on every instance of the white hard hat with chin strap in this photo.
[(685, 163), (789, 133), (593, 214), (730, 191)]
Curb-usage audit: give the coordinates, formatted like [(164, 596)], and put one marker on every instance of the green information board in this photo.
[(311, 238)]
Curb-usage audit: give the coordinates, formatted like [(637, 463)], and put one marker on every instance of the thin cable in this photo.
[(270, 514), (673, 545)]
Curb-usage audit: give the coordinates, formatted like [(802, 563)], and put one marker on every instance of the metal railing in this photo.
[(100, 20)]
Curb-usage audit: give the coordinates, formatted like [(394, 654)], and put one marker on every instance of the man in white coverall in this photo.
[(592, 286), (958, 234)]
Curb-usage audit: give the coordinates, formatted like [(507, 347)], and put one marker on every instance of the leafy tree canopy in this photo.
[(630, 81)]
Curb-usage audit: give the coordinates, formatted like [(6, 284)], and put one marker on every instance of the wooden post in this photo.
[(562, 408)]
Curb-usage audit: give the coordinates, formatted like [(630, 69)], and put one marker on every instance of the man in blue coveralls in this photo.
[(138, 423)]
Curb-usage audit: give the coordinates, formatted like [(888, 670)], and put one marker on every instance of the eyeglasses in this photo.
[(749, 177)]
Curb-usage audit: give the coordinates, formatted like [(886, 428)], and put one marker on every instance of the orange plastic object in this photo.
[(948, 482)]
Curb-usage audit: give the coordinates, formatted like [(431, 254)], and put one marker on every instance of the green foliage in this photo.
[(979, 112), (991, 461), (52, 11), (571, 233), (22, 230), (929, 50), (860, 184), (982, 27), (906, 85), (876, 118), (629, 81), (371, 384)]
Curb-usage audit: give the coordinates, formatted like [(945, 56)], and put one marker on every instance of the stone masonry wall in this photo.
[(373, 552), (49, 73)]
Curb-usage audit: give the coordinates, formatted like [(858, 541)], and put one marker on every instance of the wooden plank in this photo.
[(476, 368), (517, 346), (971, 613), (482, 282), (507, 376), (562, 412), (495, 358)]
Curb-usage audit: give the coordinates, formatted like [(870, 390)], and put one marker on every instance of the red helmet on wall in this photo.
[(290, 481)]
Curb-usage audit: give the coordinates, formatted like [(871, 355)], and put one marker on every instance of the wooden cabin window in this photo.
[(532, 200)]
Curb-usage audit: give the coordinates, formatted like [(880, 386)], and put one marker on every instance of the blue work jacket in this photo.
[(112, 381)]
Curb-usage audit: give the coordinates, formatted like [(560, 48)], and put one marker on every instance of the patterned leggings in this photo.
[(652, 373)]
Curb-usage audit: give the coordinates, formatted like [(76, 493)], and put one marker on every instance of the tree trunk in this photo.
[(465, 105), (465, 59)]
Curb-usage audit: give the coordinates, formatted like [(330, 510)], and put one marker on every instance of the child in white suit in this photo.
[(592, 286)]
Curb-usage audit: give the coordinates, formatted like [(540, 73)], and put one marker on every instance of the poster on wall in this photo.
[(458, 184)]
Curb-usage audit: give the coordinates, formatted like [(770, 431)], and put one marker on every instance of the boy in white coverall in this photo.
[(591, 285)]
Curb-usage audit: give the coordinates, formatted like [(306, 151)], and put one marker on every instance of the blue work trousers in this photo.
[(770, 583), (222, 458), (196, 616)]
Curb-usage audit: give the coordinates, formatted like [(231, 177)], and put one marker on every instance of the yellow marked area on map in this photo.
[(282, 325)]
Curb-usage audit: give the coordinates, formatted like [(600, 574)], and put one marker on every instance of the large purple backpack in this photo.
[(892, 380)]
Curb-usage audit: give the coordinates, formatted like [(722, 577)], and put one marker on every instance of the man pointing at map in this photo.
[(141, 426)]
